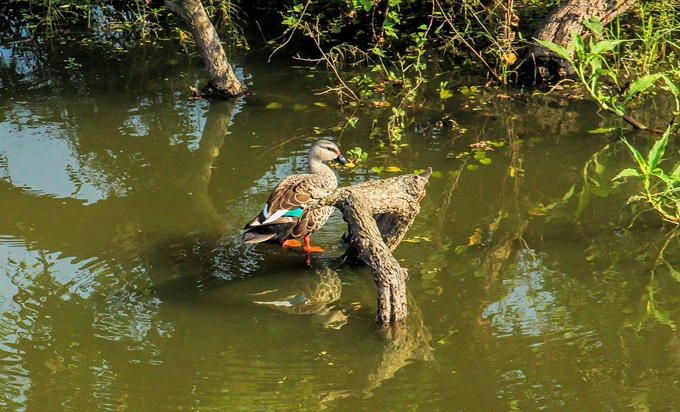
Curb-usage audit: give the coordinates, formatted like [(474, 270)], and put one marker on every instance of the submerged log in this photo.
[(378, 214), (541, 64), (222, 82)]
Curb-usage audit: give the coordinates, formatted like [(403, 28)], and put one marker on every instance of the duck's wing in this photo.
[(287, 201), (311, 220)]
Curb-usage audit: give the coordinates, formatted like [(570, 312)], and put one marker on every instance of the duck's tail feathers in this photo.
[(254, 237)]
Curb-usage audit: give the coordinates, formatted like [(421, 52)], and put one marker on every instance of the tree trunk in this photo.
[(222, 81), (378, 214), (542, 65)]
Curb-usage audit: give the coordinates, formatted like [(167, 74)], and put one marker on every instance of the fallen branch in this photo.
[(378, 214)]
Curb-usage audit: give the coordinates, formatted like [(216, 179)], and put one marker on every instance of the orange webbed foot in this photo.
[(314, 249), (291, 243)]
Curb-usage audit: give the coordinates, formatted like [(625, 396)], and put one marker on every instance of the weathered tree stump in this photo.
[(378, 214), (541, 64)]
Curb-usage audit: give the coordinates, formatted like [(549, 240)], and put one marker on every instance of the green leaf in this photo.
[(578, 41), (555, 48), (602, 130), (630, 172), (378, 52), (638, 157), (583, 199), (445, 94), (642, 84), (569, 193), (596, 64), (594, 24), (366, 4), (671, 86), (656, 153), (605, 46), (675, 174), (674, 273)]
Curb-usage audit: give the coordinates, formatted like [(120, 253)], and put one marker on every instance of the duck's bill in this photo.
[(342, 159)]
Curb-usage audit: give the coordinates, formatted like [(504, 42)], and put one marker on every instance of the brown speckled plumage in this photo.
[(293, 194)]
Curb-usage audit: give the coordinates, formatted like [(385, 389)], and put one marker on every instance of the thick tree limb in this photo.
[(222, 80), (378, 214)]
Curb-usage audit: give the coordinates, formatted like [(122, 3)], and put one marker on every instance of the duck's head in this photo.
[(324, 151)]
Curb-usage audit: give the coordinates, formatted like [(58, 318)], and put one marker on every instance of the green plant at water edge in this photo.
[(590, 61), (356, 155), (661, 190)]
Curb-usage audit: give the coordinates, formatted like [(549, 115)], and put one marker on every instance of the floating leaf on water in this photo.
[(299, 106), (350, 165), (476, 237), (472, 167), (320, 104), (514, 171), (378, 169), (436, 173), (418, 171), (484, 160), (417, 239), (392, 169), (445, 94), (601, 130), (274, 105)]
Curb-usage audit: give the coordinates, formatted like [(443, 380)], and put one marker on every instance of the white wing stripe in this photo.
[(274, 216)]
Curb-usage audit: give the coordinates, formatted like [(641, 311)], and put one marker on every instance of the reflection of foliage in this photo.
[(597, 178)]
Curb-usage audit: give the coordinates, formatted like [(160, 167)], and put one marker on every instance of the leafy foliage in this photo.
[(590, 61), (661, 189)]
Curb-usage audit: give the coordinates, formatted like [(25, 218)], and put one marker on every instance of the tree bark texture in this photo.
[(221, 78), (541, 64), (378, 214)]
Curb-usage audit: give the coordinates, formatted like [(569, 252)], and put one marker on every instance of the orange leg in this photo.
[(309, 248)]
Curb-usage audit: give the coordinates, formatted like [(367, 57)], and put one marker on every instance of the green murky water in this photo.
[(123, 285)]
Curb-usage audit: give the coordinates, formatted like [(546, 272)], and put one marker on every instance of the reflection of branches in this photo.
[(318, 296), (504, 235), (449, 194), (406, 342)]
